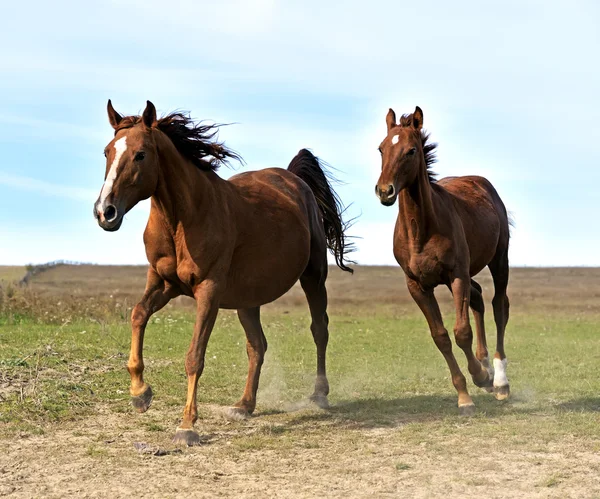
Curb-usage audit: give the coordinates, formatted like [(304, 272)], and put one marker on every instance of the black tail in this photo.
[(310, 169)]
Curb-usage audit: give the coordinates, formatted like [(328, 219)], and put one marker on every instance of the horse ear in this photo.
[(149, 116), (390, 119), (113, 117), (418, 118)]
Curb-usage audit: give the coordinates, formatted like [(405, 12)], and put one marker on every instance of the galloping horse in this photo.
[(446, 233), (235, 244)]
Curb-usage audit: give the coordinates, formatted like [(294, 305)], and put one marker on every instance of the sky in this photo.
[(509, 90)]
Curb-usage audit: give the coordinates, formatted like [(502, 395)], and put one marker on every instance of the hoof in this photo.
[(320, 401), (466, 410), (237, 413), (502, 392), (186, 437), (142, 402), (486, 383)]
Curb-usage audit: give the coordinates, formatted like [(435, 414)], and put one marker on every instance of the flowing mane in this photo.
[(429, 148), (194, 140)]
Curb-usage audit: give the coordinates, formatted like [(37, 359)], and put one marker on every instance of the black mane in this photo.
[(428, 148), (194, 140)]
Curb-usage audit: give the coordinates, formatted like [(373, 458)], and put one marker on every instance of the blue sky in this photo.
[(509, 91)]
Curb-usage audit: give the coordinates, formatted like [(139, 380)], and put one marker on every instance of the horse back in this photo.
[(276, 190), (482, 213)]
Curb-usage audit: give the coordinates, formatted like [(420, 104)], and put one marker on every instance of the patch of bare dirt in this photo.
[(127, 455)]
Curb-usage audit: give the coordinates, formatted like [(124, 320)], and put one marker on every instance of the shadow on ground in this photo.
[(584, 404), (376, 412)]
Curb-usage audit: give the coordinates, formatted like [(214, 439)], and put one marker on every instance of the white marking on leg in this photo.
[(500, 378), (395, 139), (120, 148)]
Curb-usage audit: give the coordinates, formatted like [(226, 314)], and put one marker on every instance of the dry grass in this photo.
[(67, 428), (11, 273), (101, 291)]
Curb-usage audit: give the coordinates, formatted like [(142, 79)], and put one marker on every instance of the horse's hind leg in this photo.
[(499, 269), (313, 284), (478, 308), (256, 346)]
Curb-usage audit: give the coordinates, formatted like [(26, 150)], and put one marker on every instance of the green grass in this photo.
[(393, 427), (383, 372)]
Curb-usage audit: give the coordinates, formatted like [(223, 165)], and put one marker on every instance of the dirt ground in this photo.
[(79, 460)]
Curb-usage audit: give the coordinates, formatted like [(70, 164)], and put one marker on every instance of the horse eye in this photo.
[(411, 151), (140, 156), (380, 151), (105, 155)]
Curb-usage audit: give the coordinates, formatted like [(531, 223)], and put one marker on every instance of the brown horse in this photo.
[(446, 233), (235, 244)]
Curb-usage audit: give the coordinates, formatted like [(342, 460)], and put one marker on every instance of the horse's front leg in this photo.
[(461, 290), (158, 294), (431, 310), (207, 308)]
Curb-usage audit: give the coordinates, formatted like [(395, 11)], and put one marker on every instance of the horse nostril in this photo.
[(390, 191), (110, 213)]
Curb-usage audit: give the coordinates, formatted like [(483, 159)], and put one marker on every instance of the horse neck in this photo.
[(184, 193), (416, 208)]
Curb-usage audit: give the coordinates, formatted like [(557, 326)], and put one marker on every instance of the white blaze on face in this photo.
[(120, 148), (395, 139), (500, 378)]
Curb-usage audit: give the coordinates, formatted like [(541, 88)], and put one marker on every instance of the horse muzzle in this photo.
[(386, 193), (108, 217)]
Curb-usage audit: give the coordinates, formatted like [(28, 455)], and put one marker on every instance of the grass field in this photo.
[(67, 428)]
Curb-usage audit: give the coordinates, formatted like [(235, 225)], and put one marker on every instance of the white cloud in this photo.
[(31, 127), (47, 188)]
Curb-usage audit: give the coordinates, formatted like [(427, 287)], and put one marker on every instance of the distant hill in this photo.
[(528, 287)]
